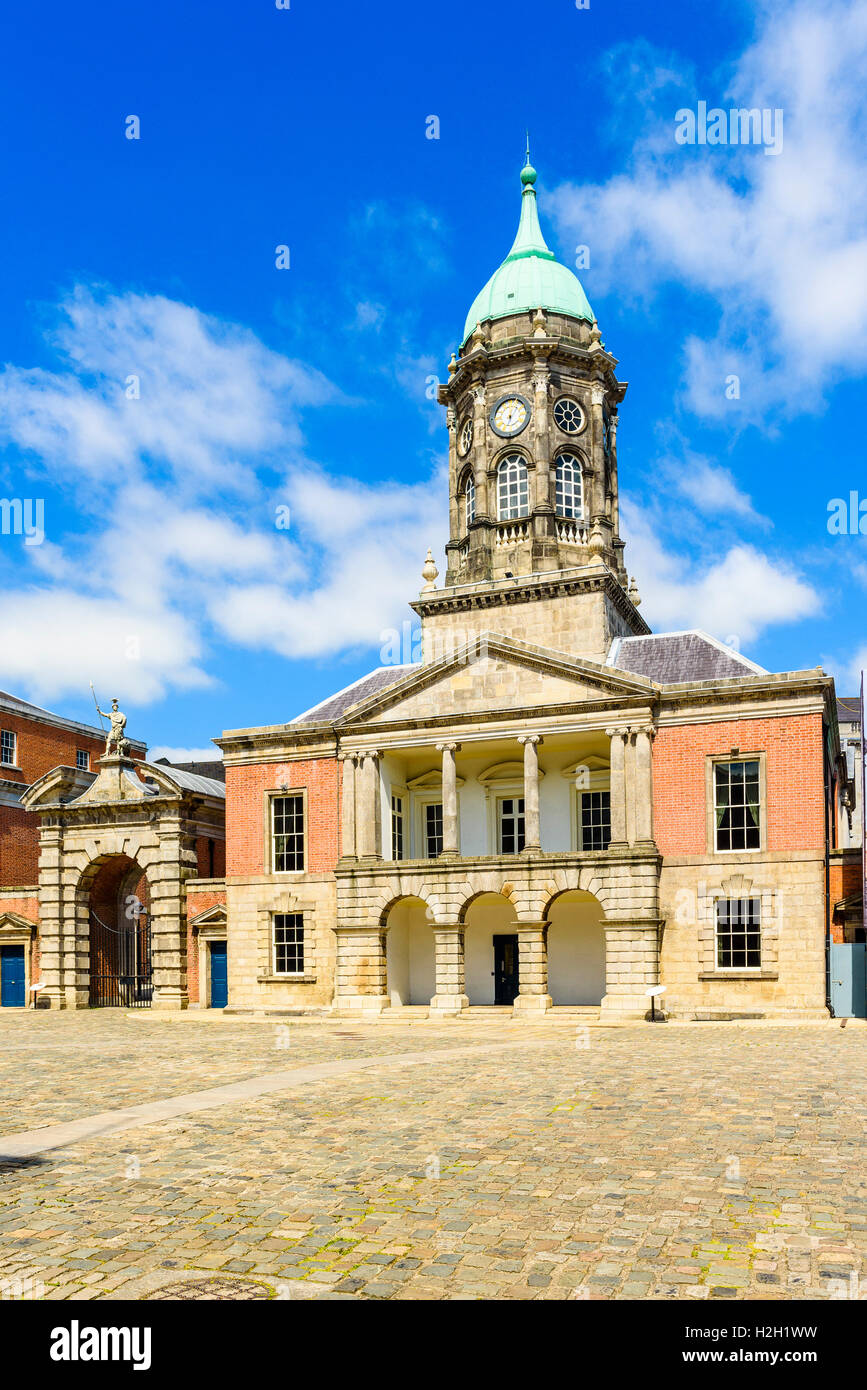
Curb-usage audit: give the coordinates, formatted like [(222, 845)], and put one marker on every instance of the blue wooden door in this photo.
[(849, 980), (219, 976), (12, 977)]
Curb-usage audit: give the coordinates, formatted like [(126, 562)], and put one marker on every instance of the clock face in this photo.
[(510, 415), (569, 416), (465, 438)]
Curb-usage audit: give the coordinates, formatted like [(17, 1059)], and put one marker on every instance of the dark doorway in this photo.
[(219, 975), (121, 972), (505, 969)]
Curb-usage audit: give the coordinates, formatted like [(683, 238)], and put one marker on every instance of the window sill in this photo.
[(286, 979), (747, 972)]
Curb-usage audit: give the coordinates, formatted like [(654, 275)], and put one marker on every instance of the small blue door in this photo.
[(849, 980), (12, 977), (219, 976)]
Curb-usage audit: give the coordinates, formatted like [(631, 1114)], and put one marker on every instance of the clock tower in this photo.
[(532, 407)]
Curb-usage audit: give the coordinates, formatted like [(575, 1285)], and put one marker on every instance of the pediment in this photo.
[(117, 781), (505, 772), (13, 924), (494, 674), (214, 916), (432, 780)]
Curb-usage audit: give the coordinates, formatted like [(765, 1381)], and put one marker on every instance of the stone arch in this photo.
[(112, 913), (576, 948), (486, 885), (410, 955), (488, 914)]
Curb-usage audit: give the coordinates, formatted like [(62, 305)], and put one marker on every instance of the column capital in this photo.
[(617, 731), (531, 738), (448, 747)]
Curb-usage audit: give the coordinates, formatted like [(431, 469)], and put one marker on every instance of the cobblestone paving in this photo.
[(684, 1162)]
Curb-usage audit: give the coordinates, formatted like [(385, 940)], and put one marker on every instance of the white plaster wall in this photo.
[(488, 916), (410, 955), (576, 950), (473, 819)]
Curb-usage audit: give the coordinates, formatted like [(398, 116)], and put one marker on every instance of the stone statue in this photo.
[(115, 740)]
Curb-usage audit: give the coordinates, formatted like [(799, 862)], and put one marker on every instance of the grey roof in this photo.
[(337, 705), (849, 709), (23, 707), (212, 768), (190, 781), (671, 657)]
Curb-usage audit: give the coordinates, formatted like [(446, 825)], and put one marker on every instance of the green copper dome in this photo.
[(530, 276)]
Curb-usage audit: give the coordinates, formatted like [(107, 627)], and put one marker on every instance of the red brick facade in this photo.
[(793, 746), (246, 812)]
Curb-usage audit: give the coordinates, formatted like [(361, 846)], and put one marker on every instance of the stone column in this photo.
[(51, 924), (450, 997), (367, 804), (531, 790), (644, 786), (618, 787), (631, 966), (542, 500), (450, 799), (478, 454), (175, 861), (630, 779), (533, 996), (347, 845)]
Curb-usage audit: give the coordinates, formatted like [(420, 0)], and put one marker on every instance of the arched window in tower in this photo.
[(568, 489), (513, 490), (470, 500)]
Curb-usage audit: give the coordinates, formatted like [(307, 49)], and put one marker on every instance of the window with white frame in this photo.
[(287, 833), (470, 499), (594, 828), (433, 829), (513, 488), (288, 930), (8, 741), (510, 824), (397, 841), (738, 933), (737, 805), (82, 759), (568, 490)]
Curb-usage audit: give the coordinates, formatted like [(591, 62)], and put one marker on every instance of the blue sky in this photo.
[(164, 576)]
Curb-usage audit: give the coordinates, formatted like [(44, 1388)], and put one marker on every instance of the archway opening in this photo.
[(576, 950), (491, 950), (119, 935), (409, 953)]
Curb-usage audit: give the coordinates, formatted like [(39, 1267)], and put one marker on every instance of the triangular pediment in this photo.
[(496, 673)]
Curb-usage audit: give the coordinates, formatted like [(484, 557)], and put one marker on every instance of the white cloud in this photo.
[(735, 597), (777, 241), (179, 545)]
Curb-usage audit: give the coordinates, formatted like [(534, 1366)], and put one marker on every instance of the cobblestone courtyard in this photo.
[(691, 1161)]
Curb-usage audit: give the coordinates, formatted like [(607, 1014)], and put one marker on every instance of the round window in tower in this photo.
[(569, 416)]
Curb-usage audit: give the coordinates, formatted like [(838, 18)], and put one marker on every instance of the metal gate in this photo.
[(848, 966), (121, 969)]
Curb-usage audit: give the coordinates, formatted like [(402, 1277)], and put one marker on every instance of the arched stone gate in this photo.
[(147, 813)]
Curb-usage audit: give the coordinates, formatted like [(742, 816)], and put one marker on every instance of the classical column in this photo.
[(618, 786), (450, 798), (367, 804), (484, 507), (347, 845), (533, 996), (531, 790), (630, 779), (643, 786), (451, 996)]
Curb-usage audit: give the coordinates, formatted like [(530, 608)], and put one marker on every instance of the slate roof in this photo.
[(336, 705), (848, 709), (190, 781), (23, 707), (669, 658)]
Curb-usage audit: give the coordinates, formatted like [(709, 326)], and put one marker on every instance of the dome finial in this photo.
[(528, 173)]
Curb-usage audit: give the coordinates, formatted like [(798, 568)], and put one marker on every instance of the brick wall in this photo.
[(19, 847), (198, 900), (43, 746), (245, 812), (795, 798)]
